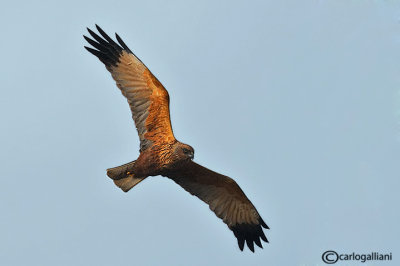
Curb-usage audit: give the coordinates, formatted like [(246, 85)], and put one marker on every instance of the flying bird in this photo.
[(161, 153)]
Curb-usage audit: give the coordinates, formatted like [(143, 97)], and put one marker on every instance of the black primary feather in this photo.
[(121, 42), (250, 233), (108, 51)]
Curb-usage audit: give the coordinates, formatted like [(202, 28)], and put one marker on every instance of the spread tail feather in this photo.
[(128, 182), (123, 176), (121, 171)]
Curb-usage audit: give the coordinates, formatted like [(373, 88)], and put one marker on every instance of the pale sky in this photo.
[(298, 101)]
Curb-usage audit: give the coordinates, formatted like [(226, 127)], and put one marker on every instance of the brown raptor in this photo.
[(161, 153)]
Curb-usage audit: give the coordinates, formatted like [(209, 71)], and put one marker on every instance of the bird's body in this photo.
[(161, 153)]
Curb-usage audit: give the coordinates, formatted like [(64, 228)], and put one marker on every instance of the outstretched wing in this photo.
[(225, 199), (147, 97)]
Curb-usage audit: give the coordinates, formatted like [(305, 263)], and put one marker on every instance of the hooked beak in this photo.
[(191, 156)]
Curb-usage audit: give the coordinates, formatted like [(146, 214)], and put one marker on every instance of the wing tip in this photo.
[(108, 51), (250, 234)]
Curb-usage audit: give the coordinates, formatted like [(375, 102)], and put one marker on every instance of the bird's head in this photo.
[(183, 152)]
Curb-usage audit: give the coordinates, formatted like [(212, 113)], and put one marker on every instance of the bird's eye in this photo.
[(185, 151)]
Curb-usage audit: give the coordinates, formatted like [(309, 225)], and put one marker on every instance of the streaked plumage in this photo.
[(161, 153)]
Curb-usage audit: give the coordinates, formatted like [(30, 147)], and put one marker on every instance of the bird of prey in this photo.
[(162, 154)]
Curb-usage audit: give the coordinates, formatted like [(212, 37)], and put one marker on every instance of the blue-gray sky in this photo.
[(298, 101)]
